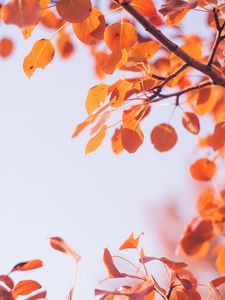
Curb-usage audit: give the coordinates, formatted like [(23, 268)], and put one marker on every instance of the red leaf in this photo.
[(112, 269), (131, 140), (7, 281), (163, 137)]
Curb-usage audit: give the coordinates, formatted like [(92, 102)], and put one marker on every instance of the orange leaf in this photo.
[(147, 9), (95, 142), (217, 139), (91, 30), (96, 96), (220, 260), (120, 36), (28, 265), (21, 13), (6, 47), (144, 51), (74, 11), (196, 238), (191, 122), (131, 139), (114, 61), (40, 56), (112, 269), (25, 287), (203, 169), (65, 45), (130, 243), (60, 245), (117, 146), (163, 137)]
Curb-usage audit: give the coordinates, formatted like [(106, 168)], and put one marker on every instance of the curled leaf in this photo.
[(60, 245), (191, 122)]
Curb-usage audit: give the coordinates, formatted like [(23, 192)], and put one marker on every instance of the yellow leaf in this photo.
[(95, 142), (96, 96), (40, 56)]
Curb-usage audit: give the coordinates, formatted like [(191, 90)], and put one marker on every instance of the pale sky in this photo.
[(48, 186)]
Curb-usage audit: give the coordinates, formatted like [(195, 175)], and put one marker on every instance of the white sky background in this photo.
[(48, 186)]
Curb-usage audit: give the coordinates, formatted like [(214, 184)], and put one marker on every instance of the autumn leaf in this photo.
[(144, 51), (191, 122), (163, 137), (28, 265), (147, 9), (6, 47), (40, 56), (60, 245), (220, 260), (65, 45), (217, 139), (25, 287), (96, 96), (5, 295), (7, 281), (117, 146), (112, 270), (21, 13), (131, 139), (203, 169), (95, 142), (169, 263), (131, 242), (74, 11), (91, 30), (120, 36)]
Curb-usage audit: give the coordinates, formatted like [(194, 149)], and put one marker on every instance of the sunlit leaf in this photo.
[(25, 287), (91, 30), (203, 169), (131, 242), (96, 96), (220, 260), (120, 36), (95, 142), (28, 265), (40, 56)]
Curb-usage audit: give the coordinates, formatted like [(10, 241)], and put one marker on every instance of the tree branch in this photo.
[(179, 93), (172, 47), (218, 37)]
